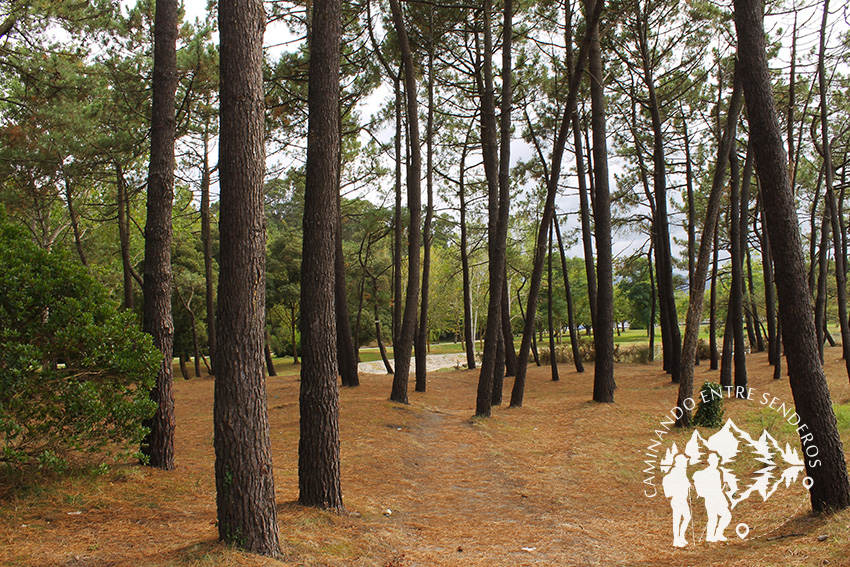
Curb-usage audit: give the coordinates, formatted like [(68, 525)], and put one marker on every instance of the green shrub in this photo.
[(75, 371), (710, 410)]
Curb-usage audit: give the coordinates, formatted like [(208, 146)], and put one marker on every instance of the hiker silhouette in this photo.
[(676, 487), (708, 484)]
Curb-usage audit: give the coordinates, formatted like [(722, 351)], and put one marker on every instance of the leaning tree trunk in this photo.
[(830, 490), (318, 447), (769, 295), (401, 350), (244, 473), (157, 319)]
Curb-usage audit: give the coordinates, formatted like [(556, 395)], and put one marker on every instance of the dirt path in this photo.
[(433, 362)]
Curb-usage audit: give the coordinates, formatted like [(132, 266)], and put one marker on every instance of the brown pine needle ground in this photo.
[(558, 482)]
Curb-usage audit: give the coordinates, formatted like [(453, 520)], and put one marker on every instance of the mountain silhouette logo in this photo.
[(713, 479)]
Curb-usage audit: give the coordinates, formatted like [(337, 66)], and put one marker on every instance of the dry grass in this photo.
[(558, 482)]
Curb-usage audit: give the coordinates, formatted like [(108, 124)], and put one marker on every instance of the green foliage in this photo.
[(710, 410), (75, 373)]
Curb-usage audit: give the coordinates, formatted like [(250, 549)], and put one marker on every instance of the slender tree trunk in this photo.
[(124, 236), (381, 346), (294, 343), (769, 295), (750, 307), (830, 490), (725, 152), (553, 353), (75, 226), (652, 304), (422, 334), (157, 319), (346, 355), (586, 232), (518, 390), (206, 243), (468, 336), (267, 352), (398, 229), (318, 448), (820, 298), (570, 308), (507, 331), (712, 322), (736, 293), (401, 350), (184, 370), (689, 184), (244, 473), (728, 345)]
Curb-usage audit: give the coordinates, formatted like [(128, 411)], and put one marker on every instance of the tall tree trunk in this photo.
[(829, 174), (401, 350), (507, 331), (570, 307), (736, 293), (422, 334), (518, 390), (206, 243), (603, 336), (830, 490), (318, 448), (728, 345), (293, 329), (157, 320), (244, 473), (663, 254), (710, 232), (495, 247), (750, 307), (553, 353), (820, 298), (398, 229), (689, 184)]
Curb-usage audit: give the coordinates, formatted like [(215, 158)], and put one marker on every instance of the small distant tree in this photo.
[(75, 371)]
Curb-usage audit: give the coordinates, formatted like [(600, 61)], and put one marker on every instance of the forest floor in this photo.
[(559, 482)]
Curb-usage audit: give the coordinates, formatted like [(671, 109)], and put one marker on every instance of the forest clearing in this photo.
[(557, 482)]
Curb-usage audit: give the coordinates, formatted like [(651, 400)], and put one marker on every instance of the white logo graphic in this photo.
[(715, 483)]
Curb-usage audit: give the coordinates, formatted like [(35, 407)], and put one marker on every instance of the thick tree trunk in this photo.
[(318, 448), (830, 490), (158, 446), (244, 473), (206, 243), (603, 336), (401, 350), (496, 246)]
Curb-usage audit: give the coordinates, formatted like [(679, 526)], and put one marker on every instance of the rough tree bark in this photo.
[(318, 447), (245, 497), (157, 320), (830, 490)]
